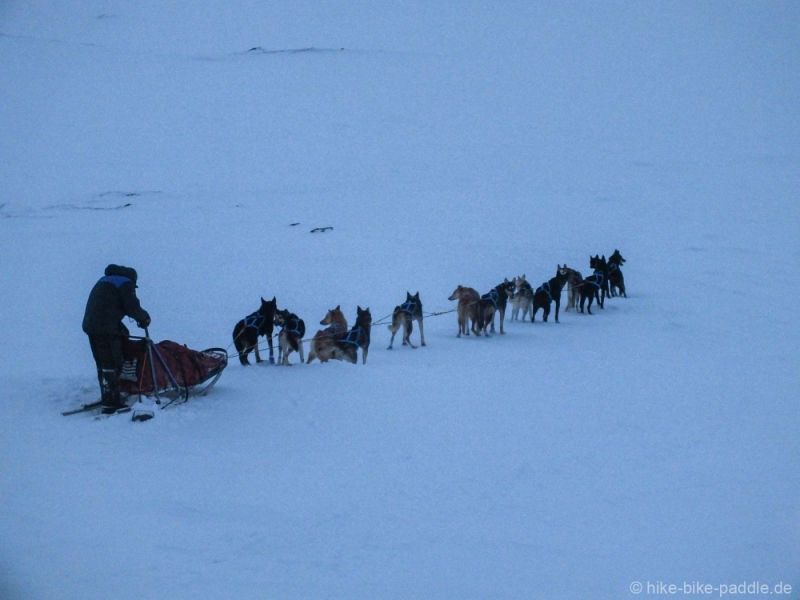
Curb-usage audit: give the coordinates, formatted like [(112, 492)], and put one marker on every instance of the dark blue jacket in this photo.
[(112, 298)]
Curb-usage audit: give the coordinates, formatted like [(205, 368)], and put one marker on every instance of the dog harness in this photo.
[(545, 287), (598, 281), (254, 321), (293, 326), (408, 307), (492, 297), (352, 336)]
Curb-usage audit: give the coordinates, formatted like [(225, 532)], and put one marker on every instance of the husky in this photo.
[(495, 301), (574, 285), (616, 281), (549, 291), (323, 344), (347, 345), (291, 336), (616, 258), (522, 298), (404, 316), (468, 300), (593, 287), (247, 331)]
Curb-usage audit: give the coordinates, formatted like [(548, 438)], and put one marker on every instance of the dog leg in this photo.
[(258, 356), (421, 332), (407, 332), (311, 352)]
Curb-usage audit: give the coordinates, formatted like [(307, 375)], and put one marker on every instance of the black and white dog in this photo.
[(291, 336)]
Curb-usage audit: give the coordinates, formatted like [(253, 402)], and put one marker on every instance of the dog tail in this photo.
[(395, 325)]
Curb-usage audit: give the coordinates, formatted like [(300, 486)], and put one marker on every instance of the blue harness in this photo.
[(352, 336), (254, 321), (545, 287), (293, 326), (599, 278), (408, 306)]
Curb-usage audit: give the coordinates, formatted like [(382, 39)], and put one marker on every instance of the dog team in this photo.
[(475, 312)]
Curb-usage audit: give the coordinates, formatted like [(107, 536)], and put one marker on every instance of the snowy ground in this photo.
[(655, 441)]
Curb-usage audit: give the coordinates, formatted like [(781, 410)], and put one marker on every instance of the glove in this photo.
[(144, 323)]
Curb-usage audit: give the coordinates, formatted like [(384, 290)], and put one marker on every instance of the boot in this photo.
[(111, 401)]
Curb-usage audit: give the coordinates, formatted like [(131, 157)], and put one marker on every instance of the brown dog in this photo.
[(323, 345), (404, 316), (468, 302)]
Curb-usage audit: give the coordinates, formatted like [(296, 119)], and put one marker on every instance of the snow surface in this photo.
[(446, 143)]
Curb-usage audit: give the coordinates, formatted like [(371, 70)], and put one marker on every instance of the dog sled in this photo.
[(166, 371)]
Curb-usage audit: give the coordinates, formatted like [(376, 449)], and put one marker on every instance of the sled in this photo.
[(169, 371)]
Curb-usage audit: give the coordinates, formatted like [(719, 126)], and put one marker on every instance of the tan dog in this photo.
[(323, 345), (468, 302), (404, 316)]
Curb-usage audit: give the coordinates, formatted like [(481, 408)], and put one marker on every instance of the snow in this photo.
[(445, 144)]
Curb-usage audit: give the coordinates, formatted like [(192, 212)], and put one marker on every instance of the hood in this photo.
[(123, 271)]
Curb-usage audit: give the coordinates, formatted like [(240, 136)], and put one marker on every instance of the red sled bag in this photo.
[(168, 369)]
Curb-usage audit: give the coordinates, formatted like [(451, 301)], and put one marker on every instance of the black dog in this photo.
[(291, 336), (616, 280), (496, 300), (404, 316), (594, 286), (548, 292), (247, 331), (505, 291), (348, 344)]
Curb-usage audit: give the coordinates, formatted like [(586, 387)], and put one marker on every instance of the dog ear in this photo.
[(408, 295), (338, 307)]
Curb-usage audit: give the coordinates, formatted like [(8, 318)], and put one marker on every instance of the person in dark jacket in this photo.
[(112, 298)]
